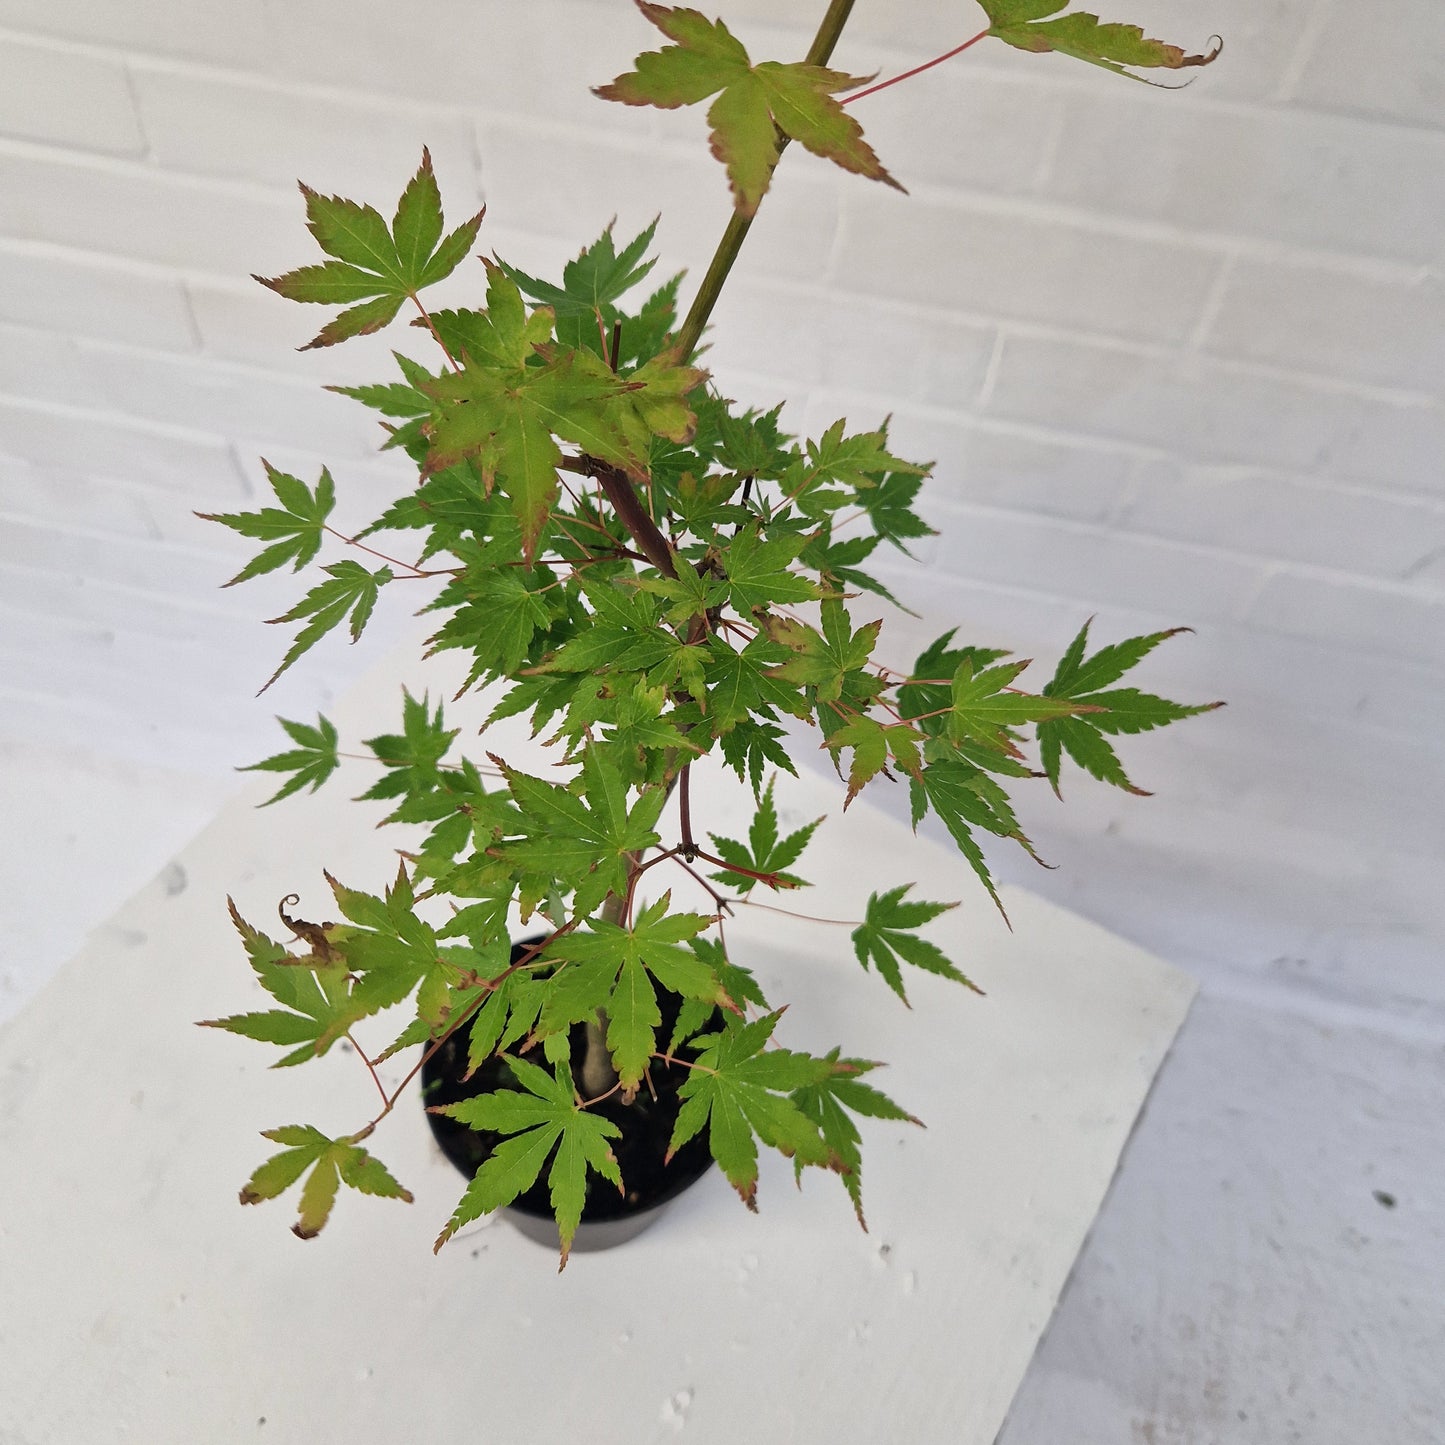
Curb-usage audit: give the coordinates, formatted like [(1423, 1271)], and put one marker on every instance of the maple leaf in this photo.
[(830, 1102), (514, 397), (412, 755), (311, 761), (739, 1088), (758, 572), (589, 844), (750, 746), (541, 1117), (743, 686), (1022, 24), (1084, 681), (612, 967), (823, 659), (755, 105), (294, 530), (349, 595), (370, 260), (332, 1162), (765, 851), (395, 952), (317, 1007), (585, 303), (986, 707), (887, 935), (873, 743)]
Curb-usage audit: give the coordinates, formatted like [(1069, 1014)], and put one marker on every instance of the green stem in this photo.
[(819, 53)]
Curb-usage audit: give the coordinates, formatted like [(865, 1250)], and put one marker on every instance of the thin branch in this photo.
[(738, 224), (917, 69), (431, 326), (370, 1067)]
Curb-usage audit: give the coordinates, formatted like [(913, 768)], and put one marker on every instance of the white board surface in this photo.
[(140, 1303)]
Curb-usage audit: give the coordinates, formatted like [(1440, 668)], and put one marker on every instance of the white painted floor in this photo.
[(184, 1317), (1267, 1266)]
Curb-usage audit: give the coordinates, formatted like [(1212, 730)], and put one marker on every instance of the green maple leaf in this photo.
[(496, 614), (823, 659), (311, 761), (592, 283), (544, 1120), (349, 596), (1022, 24), (395, 952), (873, 743), (411, 756), (388, 265), (613, 967), (765, 851), (887, 935), (927, 696), (858, 461), (985, 707), (514, 397), (758, 572), (1085, 681), (749, 747), (836, 564), (951, 788), (743, 685), (740, 1090), (332, 1162), (889, 506), (293, 530), (830, 1103), (755, 103), (587, 845), (317, 1007)]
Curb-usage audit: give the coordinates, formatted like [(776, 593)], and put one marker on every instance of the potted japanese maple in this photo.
[(652, 574)]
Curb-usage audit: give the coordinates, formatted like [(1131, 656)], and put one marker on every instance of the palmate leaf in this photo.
[(332, 1162), (395, 953), (887, 936), (293, 530), (377, 265), (349, 596), (1085, 681), (612, 967), (754, 102), (758, 572), (310, 762), (986, 708), (874, 744), (317, 1006), (589, 844), (950, 788), (1022, 24), (592, 283), (411, 756), (543, 1116), (750, 747), (505, 412), (740, 1090), (765, 851), (823, 660), (830, 1103)]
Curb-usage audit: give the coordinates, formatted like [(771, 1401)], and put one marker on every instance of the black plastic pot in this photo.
[(608, 1217)]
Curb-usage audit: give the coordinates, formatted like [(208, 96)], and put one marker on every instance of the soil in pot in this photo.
[(650, 1180)]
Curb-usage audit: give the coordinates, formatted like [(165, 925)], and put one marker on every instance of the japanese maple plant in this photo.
[(650, 573)]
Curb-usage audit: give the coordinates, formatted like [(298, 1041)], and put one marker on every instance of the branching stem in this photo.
[(819, 53)]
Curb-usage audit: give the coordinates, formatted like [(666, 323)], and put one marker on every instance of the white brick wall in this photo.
[(1178, 356)]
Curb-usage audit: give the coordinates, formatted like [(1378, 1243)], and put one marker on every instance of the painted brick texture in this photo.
[(1178, 357)]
